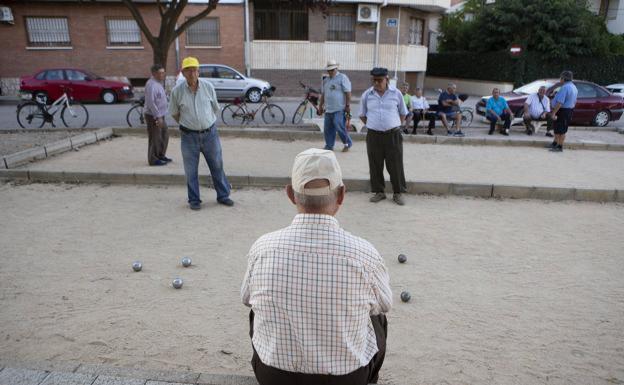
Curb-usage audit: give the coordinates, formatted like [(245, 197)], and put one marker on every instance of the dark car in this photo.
[(595, 105), (83, 86)]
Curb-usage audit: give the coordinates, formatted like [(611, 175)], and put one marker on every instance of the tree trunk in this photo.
[(160, 53)]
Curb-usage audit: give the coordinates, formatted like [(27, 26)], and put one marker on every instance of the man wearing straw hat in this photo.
[(335, 102)]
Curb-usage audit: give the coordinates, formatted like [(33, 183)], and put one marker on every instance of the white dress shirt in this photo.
[(382, 112), (419, 103), (313, 287), (536, 109)]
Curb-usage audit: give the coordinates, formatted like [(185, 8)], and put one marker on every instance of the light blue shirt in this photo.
[(198, 110), (566, 95), (498, 106), (334, 92), (384, 112)]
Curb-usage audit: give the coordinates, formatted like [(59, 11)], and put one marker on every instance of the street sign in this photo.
[(392, 22), (515, 50)]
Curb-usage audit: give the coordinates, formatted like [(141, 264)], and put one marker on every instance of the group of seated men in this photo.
[(536, 109)]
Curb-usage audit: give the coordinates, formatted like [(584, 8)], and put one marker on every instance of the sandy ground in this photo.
[(18, 141), (503, 292), (423, 162)]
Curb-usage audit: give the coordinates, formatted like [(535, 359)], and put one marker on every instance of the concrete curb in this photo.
[(307, 134), (73, 143), (550, 193)]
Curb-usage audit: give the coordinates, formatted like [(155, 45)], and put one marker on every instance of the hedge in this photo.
[(500, 66)]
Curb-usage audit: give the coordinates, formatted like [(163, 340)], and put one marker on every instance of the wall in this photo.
[(471, 87)]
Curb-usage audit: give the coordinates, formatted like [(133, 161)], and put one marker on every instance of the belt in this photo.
[(390, 131), (188, 131)]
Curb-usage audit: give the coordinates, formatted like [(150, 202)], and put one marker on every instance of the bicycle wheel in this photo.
[(135, 117), (30, 115), (233, 115), (299, 112), (273, 114), (466, 118), (75, 116)]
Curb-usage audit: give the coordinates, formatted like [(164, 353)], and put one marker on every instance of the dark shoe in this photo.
[(551, 145), (491, 131), (459, 134), (398, 199), (505, 132), (377, 197), (449, 133), (346, 147), (195, 206), (404, 129), (429, 132), (164, 158), (327, 148), (529, 132), (556, 149), (158, 162), (548, 134), (227, 202)]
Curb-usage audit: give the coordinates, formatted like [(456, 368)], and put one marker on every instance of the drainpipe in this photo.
[(376, 58), (177, 52), (247, 64), (396, 56)]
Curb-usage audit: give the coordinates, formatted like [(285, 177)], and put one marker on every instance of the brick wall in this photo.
[(89, 40)]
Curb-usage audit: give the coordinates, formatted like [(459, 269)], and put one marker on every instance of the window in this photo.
[(275, 20), (586, 90), (341, 27), (226, 73), (75, 75), (208, 72), (204, 32), (54, 75), (123, 32), (416, 31), (47, 31)]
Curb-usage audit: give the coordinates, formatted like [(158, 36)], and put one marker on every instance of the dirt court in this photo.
[(503, 292)]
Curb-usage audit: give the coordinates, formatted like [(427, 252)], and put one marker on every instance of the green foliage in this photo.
[(500, 66), (557, 29)]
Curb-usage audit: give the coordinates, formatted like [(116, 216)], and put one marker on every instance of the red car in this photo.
[(595, 105), (82, 85)]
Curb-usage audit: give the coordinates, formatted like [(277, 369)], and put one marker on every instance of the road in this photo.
[(102, 115)]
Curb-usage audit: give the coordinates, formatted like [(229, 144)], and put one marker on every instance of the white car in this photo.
[(616, 89), (229, 83)]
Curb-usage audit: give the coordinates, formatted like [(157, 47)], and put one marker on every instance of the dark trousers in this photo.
[(385, 147), (157, 140), (420, 115), (564, 117), (504, 116), (369, 374), (528, 120)]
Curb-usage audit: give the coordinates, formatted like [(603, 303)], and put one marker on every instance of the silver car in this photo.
[(617, 89), (229, 83)]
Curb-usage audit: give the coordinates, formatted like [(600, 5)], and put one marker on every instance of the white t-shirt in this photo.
[(419, 103)]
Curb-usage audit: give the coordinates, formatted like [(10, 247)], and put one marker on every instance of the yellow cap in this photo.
[(190, 62)]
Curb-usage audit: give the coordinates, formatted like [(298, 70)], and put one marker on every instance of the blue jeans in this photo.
[(208, 144), (335, 122)]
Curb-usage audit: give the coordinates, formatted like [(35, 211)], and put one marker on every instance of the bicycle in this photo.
[(239, 113), (311, 98), (135, 116), (35, 113)]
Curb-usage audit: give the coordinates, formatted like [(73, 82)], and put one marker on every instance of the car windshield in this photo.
[(532, 87)]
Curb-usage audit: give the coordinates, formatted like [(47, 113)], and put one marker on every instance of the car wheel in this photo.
[(109, 97), (602, 118), (254, 95)]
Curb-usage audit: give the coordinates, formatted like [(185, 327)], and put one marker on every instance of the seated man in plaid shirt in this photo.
[(317, 293)]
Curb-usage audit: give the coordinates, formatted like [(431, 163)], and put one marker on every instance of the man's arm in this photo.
[(346, 87), (363, 108), (402, 109), (245, 291), (381, 290), (348, 101), (173, 106)]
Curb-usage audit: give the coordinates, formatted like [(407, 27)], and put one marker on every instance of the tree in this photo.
[(557, 29), (170, 11)]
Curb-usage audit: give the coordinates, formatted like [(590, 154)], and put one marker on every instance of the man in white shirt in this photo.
[(420, 107), (537, 107), (317, 293)]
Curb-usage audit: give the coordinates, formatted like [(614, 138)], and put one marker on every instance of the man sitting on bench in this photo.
[(537, 108)]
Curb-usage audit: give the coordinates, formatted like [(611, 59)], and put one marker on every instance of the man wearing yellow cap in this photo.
[(195, 107)]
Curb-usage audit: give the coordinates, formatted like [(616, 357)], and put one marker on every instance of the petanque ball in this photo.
[(186, 261), (402, 258), (177, 283), (137, 266), (405, 296)]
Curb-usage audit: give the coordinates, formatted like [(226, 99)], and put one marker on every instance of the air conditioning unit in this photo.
[(5, 15), (367, 13)]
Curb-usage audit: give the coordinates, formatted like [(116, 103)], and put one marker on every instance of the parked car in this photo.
[(595, 105), (83, 85), (617, 89), (229, 83)]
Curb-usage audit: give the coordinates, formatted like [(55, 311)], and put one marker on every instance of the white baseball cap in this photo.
[(315, 164), (331, 64)]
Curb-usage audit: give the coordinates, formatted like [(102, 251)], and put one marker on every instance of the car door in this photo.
[(231, 82), (83, 87), (586, 103), (53, 83)]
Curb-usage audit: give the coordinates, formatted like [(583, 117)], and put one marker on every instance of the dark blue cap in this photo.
[(379, 71)]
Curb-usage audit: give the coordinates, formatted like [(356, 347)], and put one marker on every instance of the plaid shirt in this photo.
[(313, 287)]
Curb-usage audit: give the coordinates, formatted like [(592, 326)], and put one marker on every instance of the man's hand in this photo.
[(320, 110), (347, 108)]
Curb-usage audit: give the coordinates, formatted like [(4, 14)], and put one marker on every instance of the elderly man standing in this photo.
[(383, 111), (318, 294), (155, 111), (537, 107), (195, 107), (497, 111), (563, 103), (335, 102)]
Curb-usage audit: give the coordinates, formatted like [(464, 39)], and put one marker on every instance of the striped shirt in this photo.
[(537, 107), (313, 287), (383, 112), (198, 110)]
